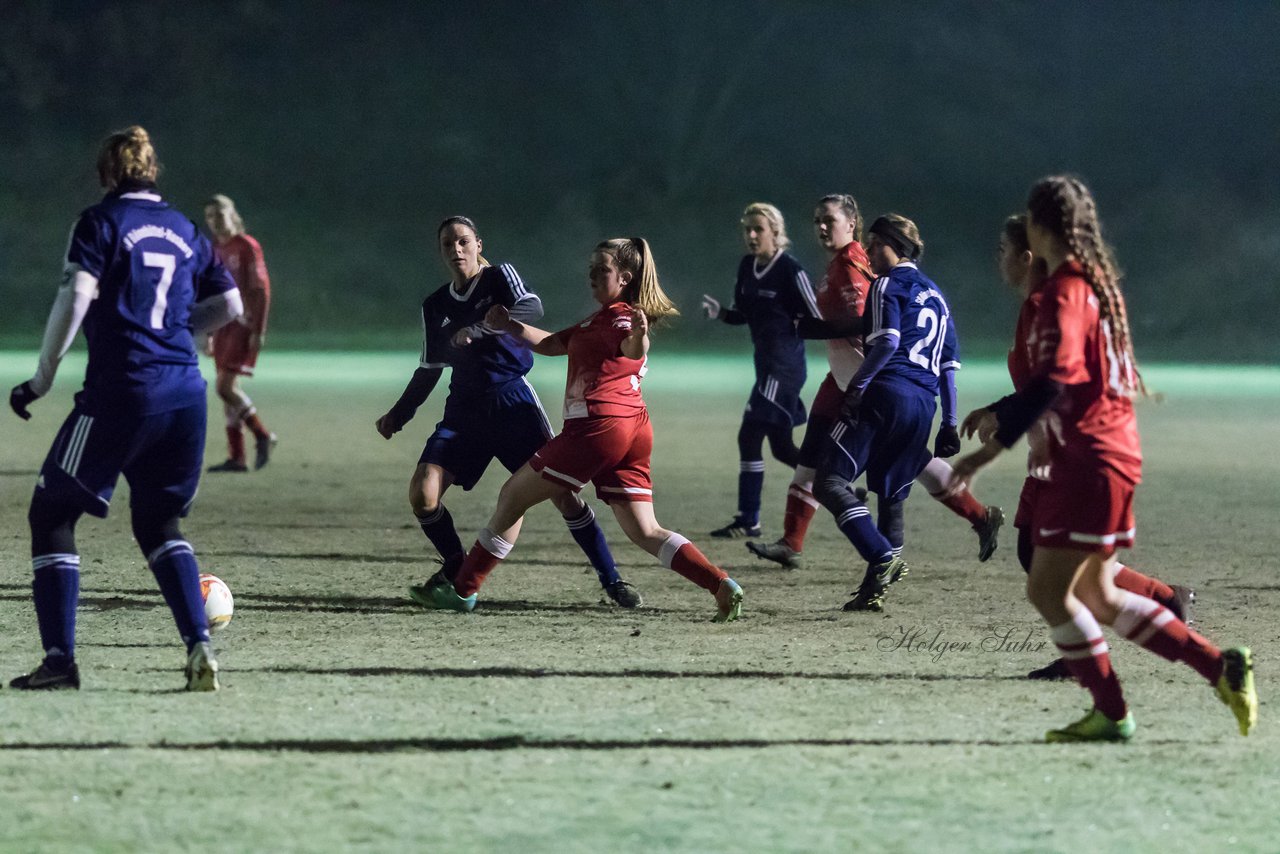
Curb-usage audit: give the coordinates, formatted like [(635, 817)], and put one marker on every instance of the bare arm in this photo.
[(636, 344), (542, 342)]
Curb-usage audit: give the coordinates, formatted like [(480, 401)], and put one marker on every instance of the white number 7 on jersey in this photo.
[(165, 263)]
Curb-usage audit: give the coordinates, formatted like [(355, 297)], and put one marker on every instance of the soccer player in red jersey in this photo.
[(607, 438), (1025, 273), (841, 297), (1081, 379), (235, 346)]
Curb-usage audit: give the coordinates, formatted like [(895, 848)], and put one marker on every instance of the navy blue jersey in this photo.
[(492, 359), (771, 299), (152, 264), (907, 305)]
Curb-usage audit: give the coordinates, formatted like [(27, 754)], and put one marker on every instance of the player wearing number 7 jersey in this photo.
[(911, 357), (143, 282)]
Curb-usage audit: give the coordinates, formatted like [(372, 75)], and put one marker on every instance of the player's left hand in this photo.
[(462, 338), (965, 469), (20, 398), (947, 442), (497, 317), (710, 306)]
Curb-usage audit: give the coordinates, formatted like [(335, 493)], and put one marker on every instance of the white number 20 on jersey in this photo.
[(927, 352), (166, 264)]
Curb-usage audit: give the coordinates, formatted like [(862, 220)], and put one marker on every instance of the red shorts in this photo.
[(828, 401), (611, 451), (1084, 508), (231, 351)]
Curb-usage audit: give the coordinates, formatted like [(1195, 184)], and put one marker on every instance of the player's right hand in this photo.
[(497, 317), (710, 306), (980, 422), (20, 398), (388, 425)]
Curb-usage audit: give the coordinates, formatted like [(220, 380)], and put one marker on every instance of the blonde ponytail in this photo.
[(127, 155), (633, 255)]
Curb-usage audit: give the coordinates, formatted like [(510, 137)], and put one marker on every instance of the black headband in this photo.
[(895, 237)]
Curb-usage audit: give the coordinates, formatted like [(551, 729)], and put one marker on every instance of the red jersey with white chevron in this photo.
[(842, 296), (1093, 420), (601, 380)]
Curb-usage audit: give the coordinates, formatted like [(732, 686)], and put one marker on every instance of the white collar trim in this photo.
[(471, 287), (144, 196), (755, 268)]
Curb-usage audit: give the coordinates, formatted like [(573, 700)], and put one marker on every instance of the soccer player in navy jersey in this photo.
[(143, 282), (771, 296), (492, 410), (911, 354)]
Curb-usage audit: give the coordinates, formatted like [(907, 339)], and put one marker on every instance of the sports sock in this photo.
[(488, 551), (890, 521), (55, 587), (678, 554), (235, 434), (439, 528), (1127, 578), (1085, 650), (855, 523), (176, 571), (249, 415), (1154, 627), (588, 535), (750, 484), (801, 505), (936, 477)]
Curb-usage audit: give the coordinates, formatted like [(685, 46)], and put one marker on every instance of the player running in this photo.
[(1026, 274), (144, 283), (889, 406), (235, 346), (771, 296), (1082, 379), (607, 438), (841, 298), (492, 410)]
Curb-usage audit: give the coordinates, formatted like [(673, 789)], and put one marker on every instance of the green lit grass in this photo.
[(550, 722)]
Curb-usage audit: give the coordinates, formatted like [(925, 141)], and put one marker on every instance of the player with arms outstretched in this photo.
[(492, 410), (607, 438), (144, 283), (1082, 379), (772, 297), (235, 347)]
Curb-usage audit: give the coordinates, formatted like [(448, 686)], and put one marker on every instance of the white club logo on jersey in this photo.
[(444, 321)]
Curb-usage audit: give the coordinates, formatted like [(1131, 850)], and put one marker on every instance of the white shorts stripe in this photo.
[(627, 490), (562, 476), (1095, 539), (547, 429)]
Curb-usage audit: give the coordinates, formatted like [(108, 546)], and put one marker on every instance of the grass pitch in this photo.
[(551, 721)]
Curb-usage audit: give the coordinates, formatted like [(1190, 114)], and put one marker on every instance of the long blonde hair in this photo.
[(643, 291), (221, 202), (127, 155), (773, 216)]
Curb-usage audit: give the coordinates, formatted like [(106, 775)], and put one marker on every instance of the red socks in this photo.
[(964, 505), (235, 443), (1087, 655), (1136, 582), (1152, 626), (485, 555), (683, 556), (801, 505)]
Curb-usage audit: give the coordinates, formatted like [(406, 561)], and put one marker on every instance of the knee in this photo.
[(152, 531), (52, 526), (750, 441), (422, 498), (833, 492), (570, 504)]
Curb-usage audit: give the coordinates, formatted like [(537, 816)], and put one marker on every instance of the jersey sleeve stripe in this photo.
[(876, 301), (953, 365), (514, 282), (806, 293)]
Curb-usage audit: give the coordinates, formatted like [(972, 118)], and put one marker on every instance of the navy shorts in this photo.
[(774, 404), (889, 442), (509, 424), (159, 455)]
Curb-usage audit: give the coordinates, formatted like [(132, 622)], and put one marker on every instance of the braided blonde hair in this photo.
[(1063, 205)]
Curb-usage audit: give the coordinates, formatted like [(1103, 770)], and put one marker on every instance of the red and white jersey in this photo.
[(842, 296), (1021, 355), (1069, 343), (242, 255), (601, 380)]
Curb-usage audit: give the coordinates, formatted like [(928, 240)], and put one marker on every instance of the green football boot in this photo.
[(1235, 687), (442, 597), (1095, 726), (728, 602)]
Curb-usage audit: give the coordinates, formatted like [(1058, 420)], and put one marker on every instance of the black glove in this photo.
[(852, 403), (20, 398), (947, 443)]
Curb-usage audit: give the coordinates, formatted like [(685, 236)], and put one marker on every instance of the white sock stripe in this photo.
[(751, 466), (170, 546), (585, 519), (55, 561), (671, 545), (432, 517), (852, 513), (494, 544)]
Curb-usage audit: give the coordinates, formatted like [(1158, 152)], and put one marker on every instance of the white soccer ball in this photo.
[(218, 603)]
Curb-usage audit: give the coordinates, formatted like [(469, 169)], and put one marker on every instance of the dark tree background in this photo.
[(347, 130)]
